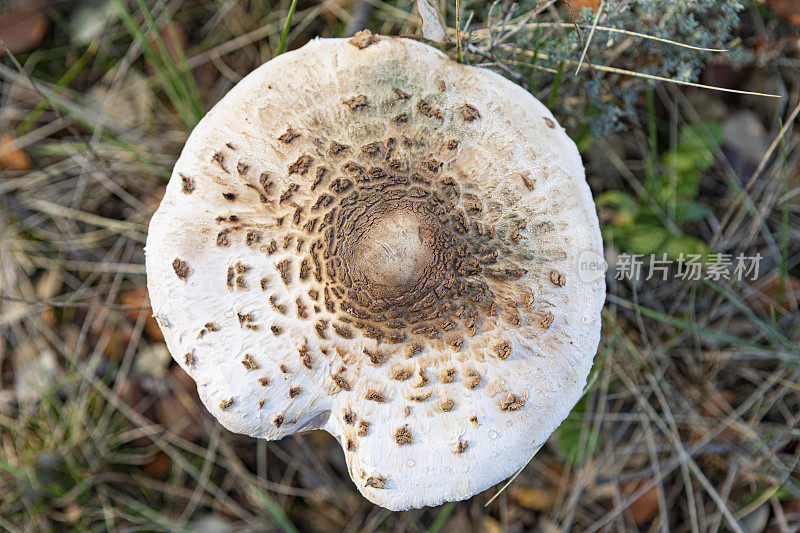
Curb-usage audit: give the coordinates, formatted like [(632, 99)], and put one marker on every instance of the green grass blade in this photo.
[(13, 470), (180, 102), (556, 85), (783, 267), (275, 511), (776, 335), (181, 75), (26, 125), (285, 32), (690, 326), (441, 517), (532, 63)]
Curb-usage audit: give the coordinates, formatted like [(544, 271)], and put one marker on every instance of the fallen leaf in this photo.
[(786, 9), (174, 39), (718, 403), (433, 26), (784, 297), (137, 297), (577, 5), (34, 371), (532, 498), (130, 105), (490, 525), (645, 507), (159, 466), (72, 513), (152, 361), (11, 156), (178, 408), (90, 21), (47, 287), (716, 406), (22, 30)]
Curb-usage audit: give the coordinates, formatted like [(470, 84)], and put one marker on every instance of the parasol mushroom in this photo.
[(366, 237)]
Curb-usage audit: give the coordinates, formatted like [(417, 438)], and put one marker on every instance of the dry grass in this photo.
[(690, 422)]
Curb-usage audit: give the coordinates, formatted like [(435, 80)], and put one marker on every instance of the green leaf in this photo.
[(574, 441), (683, 244), (689, 211)]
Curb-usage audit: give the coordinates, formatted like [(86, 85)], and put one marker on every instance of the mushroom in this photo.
[(366, 237)]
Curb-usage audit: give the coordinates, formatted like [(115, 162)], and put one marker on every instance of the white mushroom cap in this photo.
[(366, 237)]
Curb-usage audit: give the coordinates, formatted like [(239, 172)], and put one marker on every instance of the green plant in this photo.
[(651, 224), (627, 45)]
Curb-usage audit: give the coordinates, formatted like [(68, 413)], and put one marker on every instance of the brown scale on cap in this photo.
[(187, 184), (363, 38), (469, 113), (375, 357), (219, 160), (356, 102), (512, 402), (461, 446), (474, 379), (222, 237), (400, 93), (230, 277), (246, 320), (557, 278), (502, 349), (429, 111), (420, 397), (305, 355), (340, 381), (250, 363), (403, 436), (375, 396), (449, 376), (528, 182), (300, 166), (547, 320), (289, 136), (224, 404), (283, 269), (376, 482), (181, 268), (252, 237), (402, 374)]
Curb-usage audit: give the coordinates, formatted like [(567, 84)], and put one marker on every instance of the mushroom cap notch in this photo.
[(366, 237)]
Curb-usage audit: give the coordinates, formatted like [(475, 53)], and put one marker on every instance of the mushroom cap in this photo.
[(369, 238)]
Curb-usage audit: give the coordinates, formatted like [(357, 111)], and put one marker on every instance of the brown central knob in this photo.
[(392, 254)]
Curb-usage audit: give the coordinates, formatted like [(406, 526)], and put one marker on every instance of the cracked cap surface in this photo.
[(366, 237)]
